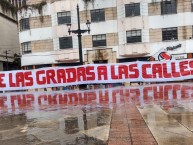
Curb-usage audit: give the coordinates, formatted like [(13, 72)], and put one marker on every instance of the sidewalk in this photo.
[(163, 123), (128, 127)]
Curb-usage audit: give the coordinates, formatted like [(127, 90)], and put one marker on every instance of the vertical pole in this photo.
[(78, 16), (79, 37), (6, 53)]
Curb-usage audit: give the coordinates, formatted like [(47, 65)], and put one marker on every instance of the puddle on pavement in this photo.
[(171, 122), (78, 125)]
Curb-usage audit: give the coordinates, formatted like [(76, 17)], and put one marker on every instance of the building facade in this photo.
[(17, 3), (9, 42), (121, 31)]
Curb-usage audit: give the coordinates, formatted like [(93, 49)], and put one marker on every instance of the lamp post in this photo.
[(79, 32)]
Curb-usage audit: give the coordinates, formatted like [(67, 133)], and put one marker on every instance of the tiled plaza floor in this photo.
[(128, 127)]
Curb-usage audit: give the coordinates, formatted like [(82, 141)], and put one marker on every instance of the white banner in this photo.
[(97, 73)]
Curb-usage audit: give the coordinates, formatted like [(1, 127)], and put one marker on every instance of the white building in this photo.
[(121, 31)]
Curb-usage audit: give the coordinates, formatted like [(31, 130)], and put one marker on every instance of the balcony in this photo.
[(134, 50), (67, 55)]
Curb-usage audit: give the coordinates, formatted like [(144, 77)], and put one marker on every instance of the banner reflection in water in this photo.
[(27, 101)]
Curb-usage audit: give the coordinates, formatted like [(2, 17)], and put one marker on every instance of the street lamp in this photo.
[(79, 32)]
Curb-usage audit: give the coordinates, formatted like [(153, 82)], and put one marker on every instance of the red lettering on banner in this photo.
[(123, 70), (81, 74), (102, 71), (165, 71), (174, 72), (50, 75), (144, 71), (11, 83), (90, 74), (20, 79), (71, 73), (1, 80), (183, 67), (113, 75), (133, 68), (42, 80), (61, 77), (157, 69), (28, 78), (191, 66)]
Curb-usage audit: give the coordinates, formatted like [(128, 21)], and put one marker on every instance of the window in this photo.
[(65, 42), (24, 24), (26, 47), (133, 36), (169, 34), (168, 7), (99, 40), (132, 9), (64, 17), (97, 15)]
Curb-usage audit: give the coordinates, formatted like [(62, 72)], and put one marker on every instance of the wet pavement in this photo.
[(143, 115)]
